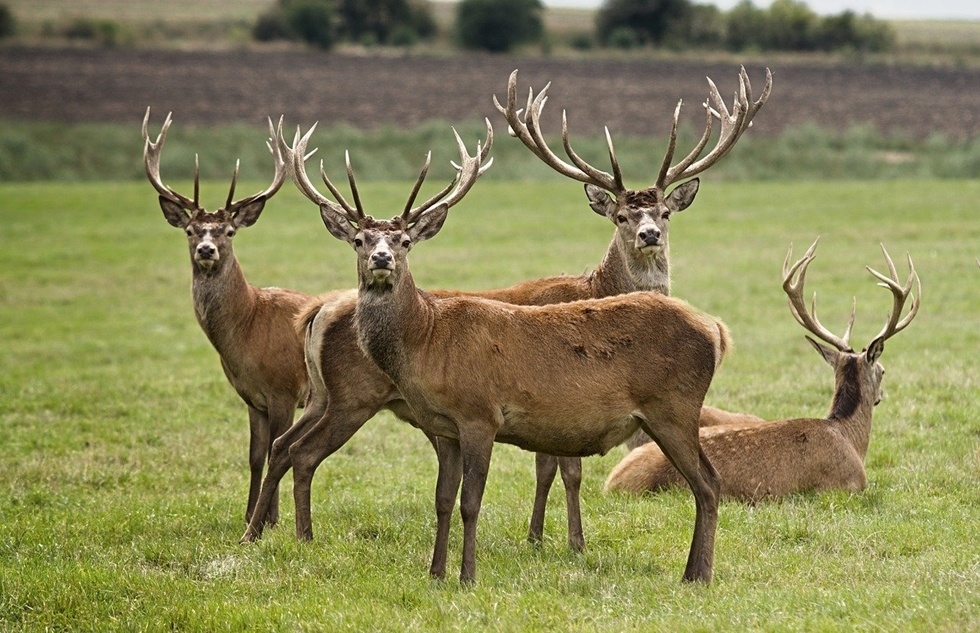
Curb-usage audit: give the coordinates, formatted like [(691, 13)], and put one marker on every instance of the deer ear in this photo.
[(338, 225), (873, 353), (599, 200), (829, 355), (174, 213), (249, 213), (429, 224), (683, 195)]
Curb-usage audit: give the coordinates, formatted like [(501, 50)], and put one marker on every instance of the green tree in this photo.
[(653, 21), (380, 19), (498, 25), (312, 21), (7, 23), (792, 26)]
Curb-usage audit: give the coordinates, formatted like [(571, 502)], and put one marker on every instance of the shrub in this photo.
[(652, 21), (8, 26), (623, 38), (106, 33), (498, 25), (312, 21), (271, 26), (379, 19)]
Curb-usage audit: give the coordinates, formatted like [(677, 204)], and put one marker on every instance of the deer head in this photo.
[(209, 234), (864, 364), (641, 216), (383, 245)]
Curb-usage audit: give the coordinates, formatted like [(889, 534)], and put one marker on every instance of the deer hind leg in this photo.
[(447, 488), (677, 436), (332, 431), (279, 465), (545, 468), (476, 445)]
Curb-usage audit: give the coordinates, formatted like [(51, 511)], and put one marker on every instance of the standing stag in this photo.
[(251, 328), (568, 379), (637, 259), (779, 458)]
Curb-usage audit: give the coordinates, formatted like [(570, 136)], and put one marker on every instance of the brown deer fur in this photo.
[(251, 328), (637, 259), (568, 379), (774, 459)]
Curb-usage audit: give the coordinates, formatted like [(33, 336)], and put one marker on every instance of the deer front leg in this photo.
[(571, 476), (260, 437), (447, 488), (476, 445), (545, 467)]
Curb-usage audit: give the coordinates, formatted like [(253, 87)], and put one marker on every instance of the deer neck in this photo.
[(391, 320), (223, 301), (625, 270), (853, 405)]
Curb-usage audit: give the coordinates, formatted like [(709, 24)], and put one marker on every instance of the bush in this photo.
[(498, 25), (312, 21), (652, 21), (623, 38), (107, 33), (8, 26), (378, 20), (271, 26)]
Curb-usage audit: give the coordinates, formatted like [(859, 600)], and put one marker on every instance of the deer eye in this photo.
[(230, 232), (189, 231), (620, 219), (358, 242), (666, 215), (406, 243)]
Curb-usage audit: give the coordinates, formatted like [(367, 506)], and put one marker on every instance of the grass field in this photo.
[(123, 462)]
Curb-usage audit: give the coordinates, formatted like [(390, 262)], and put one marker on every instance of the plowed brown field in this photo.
[(631, 97)]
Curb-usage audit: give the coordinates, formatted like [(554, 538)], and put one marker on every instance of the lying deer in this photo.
[(779, 458), (637, 259), (569, 379), (251, 328)]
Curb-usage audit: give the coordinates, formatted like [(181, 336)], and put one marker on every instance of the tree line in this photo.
[(501, 25)]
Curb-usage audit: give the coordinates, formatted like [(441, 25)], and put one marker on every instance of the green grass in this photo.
[(123, 462), (40, 151)]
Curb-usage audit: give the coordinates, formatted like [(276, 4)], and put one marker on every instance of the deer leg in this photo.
[(476, 446), (279, 465), (545, 467), (677, 436), (447, 488), (571, 476), (333, 430), (258, 451), (280, 416)]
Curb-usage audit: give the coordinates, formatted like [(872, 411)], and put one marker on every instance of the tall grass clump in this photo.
[(92, 152)]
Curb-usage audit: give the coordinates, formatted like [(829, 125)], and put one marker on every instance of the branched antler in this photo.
[(793, 279), (900, 295), (151, 161), (470, 168)]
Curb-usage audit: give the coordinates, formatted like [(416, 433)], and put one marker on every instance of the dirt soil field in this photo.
[(631, 97)]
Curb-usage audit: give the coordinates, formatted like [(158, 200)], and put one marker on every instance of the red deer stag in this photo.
[(473, 370), (251, 328), (636, 260), (779, 458)]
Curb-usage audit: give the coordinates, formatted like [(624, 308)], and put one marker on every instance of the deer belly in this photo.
[(565, 435)]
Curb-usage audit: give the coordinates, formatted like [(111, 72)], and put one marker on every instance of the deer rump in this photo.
[(574, 379)]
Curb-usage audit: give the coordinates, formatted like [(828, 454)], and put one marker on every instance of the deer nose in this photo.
[(649, 235), (381, 259), (206, 251)]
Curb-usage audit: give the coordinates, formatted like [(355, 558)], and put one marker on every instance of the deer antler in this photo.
[(277, 179), (471, 168), (797, 304), (151, 160), (900, 295), (528, 130), (411, 215), (296, 156), (733, 124)]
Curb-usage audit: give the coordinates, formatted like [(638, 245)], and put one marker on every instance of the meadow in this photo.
[(123, 467)]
